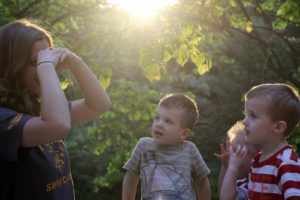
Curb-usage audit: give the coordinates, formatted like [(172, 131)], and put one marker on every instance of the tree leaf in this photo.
[(65, 84), (182, 55), (249, 27), (167, 56), (152, 72), (197, 58), (269, 5), (279, 24), (203, 68), (105, 82)]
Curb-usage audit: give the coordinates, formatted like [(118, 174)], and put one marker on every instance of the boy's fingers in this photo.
[(230, 149), (219, 157), (222, 148), (227, 145), (241, 151), (216, 155), (238, 150), (244, 150)]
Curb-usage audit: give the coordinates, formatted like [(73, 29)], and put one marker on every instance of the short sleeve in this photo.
[(242, 189), (289, 173), (199, 167), (133, 164), (11, 129), (241, 194)]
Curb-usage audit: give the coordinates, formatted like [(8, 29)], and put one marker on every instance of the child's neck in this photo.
[(272, 147)]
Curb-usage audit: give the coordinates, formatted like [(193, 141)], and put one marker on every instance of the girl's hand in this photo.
[(67, 59), (225, 153), (51, 55)]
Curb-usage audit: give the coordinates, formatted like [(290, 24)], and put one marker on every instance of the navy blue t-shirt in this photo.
[(37, 173)]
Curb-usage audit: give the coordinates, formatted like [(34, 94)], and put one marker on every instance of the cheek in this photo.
[(257, 123), (263, 125), (174, 127)]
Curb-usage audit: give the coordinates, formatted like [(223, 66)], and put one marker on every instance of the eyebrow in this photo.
[(169, 118), (249, 111)]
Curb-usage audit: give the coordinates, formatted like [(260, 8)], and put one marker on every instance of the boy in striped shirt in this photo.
[(169, 167), (272, 113)]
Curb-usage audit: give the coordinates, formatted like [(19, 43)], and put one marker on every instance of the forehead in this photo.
[(170, 111), (257, 104)]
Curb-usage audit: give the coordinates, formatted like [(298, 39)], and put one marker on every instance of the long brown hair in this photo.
[(16, 43)]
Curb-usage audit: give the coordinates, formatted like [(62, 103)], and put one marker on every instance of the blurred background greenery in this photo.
[(211, 50)]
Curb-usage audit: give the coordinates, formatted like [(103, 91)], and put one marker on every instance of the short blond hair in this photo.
[(235, 130), (237, 135)]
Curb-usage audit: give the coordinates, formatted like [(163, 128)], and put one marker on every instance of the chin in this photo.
[(158, 141)]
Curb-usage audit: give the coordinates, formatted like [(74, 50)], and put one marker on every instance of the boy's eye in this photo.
[(168, 121)]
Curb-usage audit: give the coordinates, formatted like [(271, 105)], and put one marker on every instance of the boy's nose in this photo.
[(159, 123)]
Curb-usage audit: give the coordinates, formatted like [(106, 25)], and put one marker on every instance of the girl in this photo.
[(35, 116)]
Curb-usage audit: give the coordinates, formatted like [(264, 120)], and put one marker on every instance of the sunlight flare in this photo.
[(142, 8)]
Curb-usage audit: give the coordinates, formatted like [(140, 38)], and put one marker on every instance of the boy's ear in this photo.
[(185, 133), (280, 127)]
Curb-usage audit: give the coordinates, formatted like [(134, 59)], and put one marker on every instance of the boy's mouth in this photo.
[(158, 133), (247, 132)]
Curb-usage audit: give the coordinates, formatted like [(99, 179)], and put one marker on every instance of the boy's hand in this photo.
[(225, 153), (228, 187), (236, 158)]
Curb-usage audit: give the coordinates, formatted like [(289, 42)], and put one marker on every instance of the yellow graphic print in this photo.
[(14, 122), (57, 183), (57, 151)]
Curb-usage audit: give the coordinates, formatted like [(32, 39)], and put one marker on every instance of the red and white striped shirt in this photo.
[(276, 178)]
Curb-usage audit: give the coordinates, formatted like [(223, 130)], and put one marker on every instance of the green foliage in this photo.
[(295, 139), (269, 5), (290, 10), (182, 48), (105, 78), (129, 119), (213, 50), (280, 24)]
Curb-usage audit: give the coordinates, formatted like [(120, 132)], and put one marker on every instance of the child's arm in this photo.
[(228, 189), (221, 177), (95, 101), (223, 157), (202, 188), (130, 183)]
